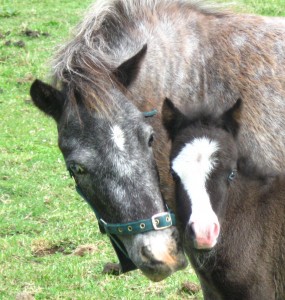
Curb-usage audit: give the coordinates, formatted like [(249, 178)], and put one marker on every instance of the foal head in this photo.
[(203, 163)]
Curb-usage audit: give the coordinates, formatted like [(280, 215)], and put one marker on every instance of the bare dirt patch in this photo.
[(190, 288), (42, 247), (34, 33), (25, 296), (85, 249)]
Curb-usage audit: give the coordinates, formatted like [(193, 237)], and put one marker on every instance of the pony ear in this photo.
[(172, 118), (230, 118), (129, 69), (47, 99)]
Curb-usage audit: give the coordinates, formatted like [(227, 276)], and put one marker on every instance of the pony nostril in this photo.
[(145, 251), (148, 256)]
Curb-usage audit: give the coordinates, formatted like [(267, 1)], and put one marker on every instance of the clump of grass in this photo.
[(270, 8), (8, 12), (41, 247)]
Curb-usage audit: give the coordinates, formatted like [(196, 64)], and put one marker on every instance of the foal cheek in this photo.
[(183, 205), (218, 191)]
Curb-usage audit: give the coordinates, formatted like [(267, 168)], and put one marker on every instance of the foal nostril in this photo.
[(216, 229), (204, 235), (190, 232)]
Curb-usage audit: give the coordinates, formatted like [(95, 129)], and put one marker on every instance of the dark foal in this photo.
[(231, 213)]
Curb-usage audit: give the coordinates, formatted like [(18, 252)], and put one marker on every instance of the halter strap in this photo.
[(158, 221), (150, 113)]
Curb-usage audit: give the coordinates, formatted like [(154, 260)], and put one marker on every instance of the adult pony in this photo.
[(125, 58), (108, 151), (232, 213)]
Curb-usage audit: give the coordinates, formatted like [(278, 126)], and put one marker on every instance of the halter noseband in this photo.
[(158, 221)]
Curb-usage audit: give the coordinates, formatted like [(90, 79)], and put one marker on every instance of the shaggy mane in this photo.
[(105, 38)]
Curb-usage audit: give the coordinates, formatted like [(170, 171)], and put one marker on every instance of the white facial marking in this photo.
[(118, 137), (193, 165)]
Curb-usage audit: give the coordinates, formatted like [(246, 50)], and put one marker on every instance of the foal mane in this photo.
[(107, 36)]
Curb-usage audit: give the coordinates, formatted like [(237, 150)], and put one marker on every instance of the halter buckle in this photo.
[(164, 218)]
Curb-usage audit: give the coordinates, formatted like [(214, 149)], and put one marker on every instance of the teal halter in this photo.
[(158, 221), (150, 113)]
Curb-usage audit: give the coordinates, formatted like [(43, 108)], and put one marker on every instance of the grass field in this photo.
[(42, 220)]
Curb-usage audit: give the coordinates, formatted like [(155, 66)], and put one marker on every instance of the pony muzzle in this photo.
[(157, 254)]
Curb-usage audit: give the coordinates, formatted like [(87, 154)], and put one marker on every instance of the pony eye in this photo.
[(151, 139), (76, 169), (232, 175)]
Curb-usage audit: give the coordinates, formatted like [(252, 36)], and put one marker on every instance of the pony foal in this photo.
[(231, 213)]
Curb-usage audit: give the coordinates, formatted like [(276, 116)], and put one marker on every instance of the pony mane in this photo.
[(108, 35)]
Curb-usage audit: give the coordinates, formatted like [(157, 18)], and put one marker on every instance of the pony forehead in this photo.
[(196, 155)]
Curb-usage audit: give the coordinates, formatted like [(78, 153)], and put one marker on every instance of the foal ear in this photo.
[(231, 118), (172, 118), (129, 69), (47, 99)]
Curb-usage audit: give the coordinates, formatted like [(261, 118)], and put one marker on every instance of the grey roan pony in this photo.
[(109, 154), (125, 58), (232, 213)]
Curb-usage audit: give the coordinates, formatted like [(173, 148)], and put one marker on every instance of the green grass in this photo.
[(42, 220), (270, 8)]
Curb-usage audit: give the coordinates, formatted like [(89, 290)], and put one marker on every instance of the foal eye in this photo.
[(151, 139), (76, 169), (232, 175)]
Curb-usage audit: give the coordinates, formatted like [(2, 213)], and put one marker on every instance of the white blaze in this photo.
[(193, 165), (118, 137)]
